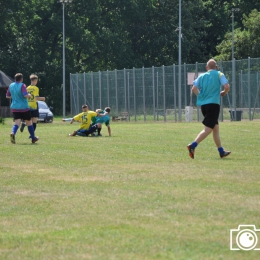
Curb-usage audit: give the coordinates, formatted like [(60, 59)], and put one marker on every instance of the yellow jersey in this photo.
[(34, 91), (85, 119)]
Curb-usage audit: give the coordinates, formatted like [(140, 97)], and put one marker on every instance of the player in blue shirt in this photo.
[(207, 87), (20, 107), (105, 119)]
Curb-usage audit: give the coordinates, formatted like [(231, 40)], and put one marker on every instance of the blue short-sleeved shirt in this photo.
[(209, 85), (104, 119)]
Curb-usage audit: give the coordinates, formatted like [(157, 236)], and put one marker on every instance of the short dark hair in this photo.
[(18, 76), (33, 76), (85, 106), (107, 109)]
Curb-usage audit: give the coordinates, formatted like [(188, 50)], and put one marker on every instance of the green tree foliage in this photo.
[(246, 41), (109, 34)]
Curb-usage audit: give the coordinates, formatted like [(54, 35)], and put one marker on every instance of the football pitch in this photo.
[(136, 195)]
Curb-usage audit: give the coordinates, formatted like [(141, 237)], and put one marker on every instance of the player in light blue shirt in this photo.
[(104, 119), (207, 87)]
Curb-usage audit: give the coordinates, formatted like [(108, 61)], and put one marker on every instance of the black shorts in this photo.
[(211, 114), (35, 113), (22, 115)]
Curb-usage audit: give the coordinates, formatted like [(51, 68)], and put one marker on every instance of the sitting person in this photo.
[(85, 120)]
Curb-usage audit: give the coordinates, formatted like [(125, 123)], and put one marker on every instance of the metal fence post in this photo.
[(185, 84), (116, 91), (234, 87), (249, 91), (157, 94), (144, 95), (85, 94), (125, 89), (164, 108), (128, 95), (153, 94), (108, 89), (196, 75), (71, 89), (174, 92), (240, 90), (134, 92), (100, 92), (92, 90), (77, 75)]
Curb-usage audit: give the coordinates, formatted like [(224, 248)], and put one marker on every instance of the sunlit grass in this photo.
[(135, 195)]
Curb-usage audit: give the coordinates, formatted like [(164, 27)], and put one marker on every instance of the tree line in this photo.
[(117, 34)]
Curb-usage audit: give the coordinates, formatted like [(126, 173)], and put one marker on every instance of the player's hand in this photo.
[(223, 93)]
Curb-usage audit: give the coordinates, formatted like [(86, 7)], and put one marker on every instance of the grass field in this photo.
[(135, 195)]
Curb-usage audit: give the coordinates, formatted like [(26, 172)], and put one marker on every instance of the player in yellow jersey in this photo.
[(85, 121), (35, 96)]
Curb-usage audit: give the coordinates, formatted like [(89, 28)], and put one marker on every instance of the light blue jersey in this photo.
[(104, 119), (17, 91), (209, 85)]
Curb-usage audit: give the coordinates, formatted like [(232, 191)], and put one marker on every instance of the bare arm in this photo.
[(195, 90), (72, 120), (28, 96), (226, 90), (40, 98), (101, 115)]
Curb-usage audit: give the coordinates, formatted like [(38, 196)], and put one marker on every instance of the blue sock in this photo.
[(15, 128), (221, 150), (194, 144), (31, 131)]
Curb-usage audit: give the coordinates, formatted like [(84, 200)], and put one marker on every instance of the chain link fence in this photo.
[(153, 93)]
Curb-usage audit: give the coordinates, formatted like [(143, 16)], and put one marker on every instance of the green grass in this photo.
[(135, 195)]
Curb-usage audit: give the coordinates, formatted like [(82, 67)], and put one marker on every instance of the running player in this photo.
[(20, 107), (35, 96), (208, 89)]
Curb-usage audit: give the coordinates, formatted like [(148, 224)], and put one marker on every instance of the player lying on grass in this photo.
[(100, 120)]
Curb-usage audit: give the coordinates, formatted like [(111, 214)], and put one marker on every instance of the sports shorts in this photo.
[(22, 115), (35, 113), (211, 114)]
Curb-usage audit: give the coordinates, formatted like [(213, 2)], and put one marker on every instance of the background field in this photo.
[(136, 195)]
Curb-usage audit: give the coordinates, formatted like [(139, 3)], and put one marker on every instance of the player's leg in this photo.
[(208, 122), (216, 137), (35, 116), (28, 120), (22, 126), (34, 122), (99, 129), (91, 129), (17, 122)]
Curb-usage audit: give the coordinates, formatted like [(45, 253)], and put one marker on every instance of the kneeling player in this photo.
[(102, 117)]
